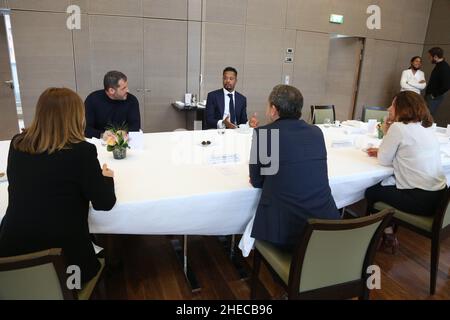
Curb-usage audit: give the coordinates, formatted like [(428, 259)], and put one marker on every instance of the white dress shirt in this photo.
[(226, 111), (414, 153), (411, 81)]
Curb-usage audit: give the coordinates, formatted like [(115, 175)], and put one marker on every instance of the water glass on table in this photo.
[(372, 125)]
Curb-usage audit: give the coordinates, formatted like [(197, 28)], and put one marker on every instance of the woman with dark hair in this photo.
[(53, 174), (411, 147), (413, 79)]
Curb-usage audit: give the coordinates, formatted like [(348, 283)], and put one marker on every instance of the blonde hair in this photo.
[(58, 122)]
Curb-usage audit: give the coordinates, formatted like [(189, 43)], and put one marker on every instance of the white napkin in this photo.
[(443, 139), (389, 181), (247, 242), (353, 123), (97, 248), (445, 151)]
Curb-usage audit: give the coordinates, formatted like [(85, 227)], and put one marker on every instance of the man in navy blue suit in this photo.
[(298, 188), (226, 108)]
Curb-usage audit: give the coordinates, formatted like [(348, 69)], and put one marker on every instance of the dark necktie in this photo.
[(232, 112)]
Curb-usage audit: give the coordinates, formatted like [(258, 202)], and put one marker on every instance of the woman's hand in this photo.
[(372, 152), (107, 172), (386, 125)]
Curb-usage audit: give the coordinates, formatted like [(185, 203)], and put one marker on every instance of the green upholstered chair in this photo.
[(435, 227), (329, 262), (40, 276), (377, 113), (320, 113)]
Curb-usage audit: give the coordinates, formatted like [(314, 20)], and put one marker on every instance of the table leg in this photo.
[(182, 255), (234, 255)]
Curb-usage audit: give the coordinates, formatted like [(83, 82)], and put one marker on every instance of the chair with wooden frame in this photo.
[(320, 113), (40, 276), (435, 227), (371, 112), (330, 261)]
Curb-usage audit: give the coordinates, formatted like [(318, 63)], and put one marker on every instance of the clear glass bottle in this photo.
[(194, 100)]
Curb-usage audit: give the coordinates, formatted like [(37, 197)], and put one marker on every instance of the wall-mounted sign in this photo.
[(337, 18)]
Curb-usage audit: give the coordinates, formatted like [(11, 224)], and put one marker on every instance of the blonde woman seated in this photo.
[(53, 174), (411, 147)]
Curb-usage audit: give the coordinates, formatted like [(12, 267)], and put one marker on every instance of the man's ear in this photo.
[(273, 110)]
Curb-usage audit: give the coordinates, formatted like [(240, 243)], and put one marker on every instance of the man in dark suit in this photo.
[(296, 188), (226, 108)]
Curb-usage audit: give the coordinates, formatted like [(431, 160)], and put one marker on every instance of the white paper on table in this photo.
[(247, 242), (223, 159), (353, 123), (353, 130), (342, 143), (136, 140), (229, 171)]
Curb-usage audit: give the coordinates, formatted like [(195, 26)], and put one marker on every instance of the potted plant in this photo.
[(117, 142)]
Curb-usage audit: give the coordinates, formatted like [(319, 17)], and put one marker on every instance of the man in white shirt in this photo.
[(413, 79), (227, 108)]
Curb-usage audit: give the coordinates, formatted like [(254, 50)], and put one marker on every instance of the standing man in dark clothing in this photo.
[(439, 82), (113, 106)]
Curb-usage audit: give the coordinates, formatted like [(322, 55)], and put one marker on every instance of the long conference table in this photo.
[(174, 185)]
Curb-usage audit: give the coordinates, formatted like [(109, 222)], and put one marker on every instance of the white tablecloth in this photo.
[(177, 186)]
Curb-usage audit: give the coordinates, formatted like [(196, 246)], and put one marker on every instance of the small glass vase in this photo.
[(380, 133), (120, 153)]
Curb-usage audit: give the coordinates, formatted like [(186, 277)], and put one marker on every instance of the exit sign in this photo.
[(336, 18)]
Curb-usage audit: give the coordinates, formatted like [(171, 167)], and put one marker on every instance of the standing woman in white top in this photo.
[(413, 79), (411, 147)]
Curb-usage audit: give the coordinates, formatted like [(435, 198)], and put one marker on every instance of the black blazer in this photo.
[(215, 107), (49, 204), (299, 190)]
